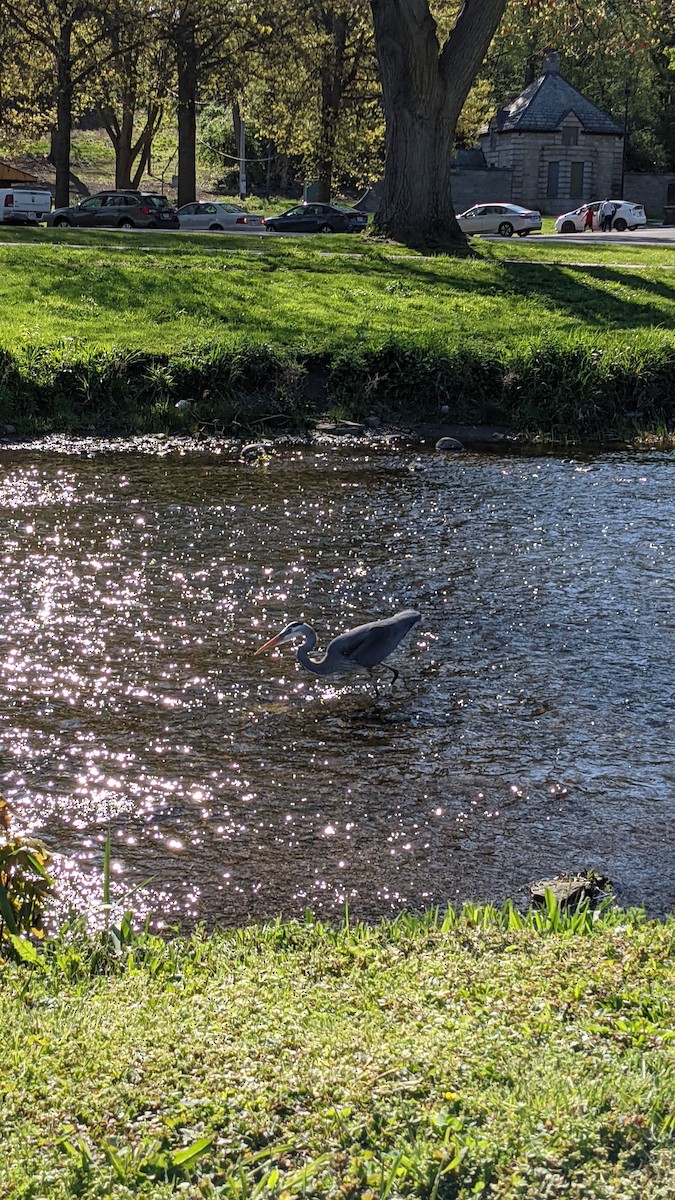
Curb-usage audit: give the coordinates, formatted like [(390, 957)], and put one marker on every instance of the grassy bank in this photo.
[(563, 391), (111, 330), (436, 1057)]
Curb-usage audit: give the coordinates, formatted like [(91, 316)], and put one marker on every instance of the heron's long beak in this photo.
[(270, 645)]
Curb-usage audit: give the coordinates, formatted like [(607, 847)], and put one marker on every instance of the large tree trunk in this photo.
[(62, 131), (424, 88), (187, 121), (124, 147), (332, 86)]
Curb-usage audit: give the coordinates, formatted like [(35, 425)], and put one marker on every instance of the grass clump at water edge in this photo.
[(564, 390), (447, 1055)]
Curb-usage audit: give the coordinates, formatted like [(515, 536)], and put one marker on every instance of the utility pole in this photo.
[(268, 179), (626, 98)]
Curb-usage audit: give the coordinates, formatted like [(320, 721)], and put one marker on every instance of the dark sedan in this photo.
[(318, 218)]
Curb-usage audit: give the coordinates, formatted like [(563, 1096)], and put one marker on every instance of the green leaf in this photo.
[(269, 1152), (305, 1173), (188, 1155), (115, 1161), (106, 870), (35, 863), (391, 1177), (26, 950), (6, 910)]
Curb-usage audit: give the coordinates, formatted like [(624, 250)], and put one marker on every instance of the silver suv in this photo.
[(118, 210)]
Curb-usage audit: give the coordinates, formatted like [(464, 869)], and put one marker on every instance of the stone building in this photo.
[(560, 147)]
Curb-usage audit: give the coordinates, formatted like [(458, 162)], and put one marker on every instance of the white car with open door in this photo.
[(626, 216)]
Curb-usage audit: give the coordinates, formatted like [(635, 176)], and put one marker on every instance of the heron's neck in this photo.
[(316, 666)]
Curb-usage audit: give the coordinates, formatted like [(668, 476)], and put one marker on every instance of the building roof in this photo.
[(15, 174), (546, 102)]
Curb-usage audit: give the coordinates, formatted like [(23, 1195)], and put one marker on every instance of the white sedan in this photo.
[(626, 216), (504, 219), (216, 215)]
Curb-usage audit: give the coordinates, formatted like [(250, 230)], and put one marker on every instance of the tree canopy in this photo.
[(320, 82)]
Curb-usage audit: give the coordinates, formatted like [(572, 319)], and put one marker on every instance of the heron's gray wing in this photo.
[(369, 644)]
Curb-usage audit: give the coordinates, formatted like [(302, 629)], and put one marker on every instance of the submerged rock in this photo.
[(570, 890), (337, 428), (450, 443), (372, 422), (255, 451)]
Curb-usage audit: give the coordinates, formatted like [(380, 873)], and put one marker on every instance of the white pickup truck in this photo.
[(24, 205)]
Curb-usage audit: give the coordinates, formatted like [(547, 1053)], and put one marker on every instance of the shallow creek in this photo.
[(531, 730)]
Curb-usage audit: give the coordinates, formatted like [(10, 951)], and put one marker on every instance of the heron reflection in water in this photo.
[(359, 649)]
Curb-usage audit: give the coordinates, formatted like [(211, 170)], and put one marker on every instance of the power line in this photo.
[(231, 157)]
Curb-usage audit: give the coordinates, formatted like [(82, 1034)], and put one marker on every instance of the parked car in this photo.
[(24, 205), (318, 218), (626, 216), (120, 210), (216, 215), (504, 219)]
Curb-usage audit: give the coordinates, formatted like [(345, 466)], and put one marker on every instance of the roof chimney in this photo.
[(551, 63)]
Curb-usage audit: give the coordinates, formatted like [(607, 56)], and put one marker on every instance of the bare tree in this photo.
[(60, 30), (134, 91), (68, 44), (210, 41), (424, 85), (345, 40)]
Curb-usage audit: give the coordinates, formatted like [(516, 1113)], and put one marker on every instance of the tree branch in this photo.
[(467, 44)]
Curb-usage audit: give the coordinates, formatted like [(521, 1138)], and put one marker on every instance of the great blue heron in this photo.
[(357, 649)]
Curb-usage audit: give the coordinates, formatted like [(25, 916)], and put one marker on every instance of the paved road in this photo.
[(653, 235)]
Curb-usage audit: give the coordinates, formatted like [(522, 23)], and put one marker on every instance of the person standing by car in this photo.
[(588, 220), (607, 212)]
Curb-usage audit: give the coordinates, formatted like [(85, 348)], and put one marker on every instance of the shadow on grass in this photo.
[(584, 296), (315, 294)]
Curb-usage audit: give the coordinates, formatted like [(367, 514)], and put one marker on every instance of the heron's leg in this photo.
[(373, 676), (394, 672)]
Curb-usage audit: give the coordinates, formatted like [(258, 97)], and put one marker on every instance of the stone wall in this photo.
[(510, 184), (654, 191), (480, 187), (468, 187)]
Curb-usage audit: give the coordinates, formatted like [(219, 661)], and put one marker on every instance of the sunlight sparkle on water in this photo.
[(133, 604)]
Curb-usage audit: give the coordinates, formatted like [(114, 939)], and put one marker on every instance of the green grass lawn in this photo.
[(156, 292), (441, 1060), (109, 330)]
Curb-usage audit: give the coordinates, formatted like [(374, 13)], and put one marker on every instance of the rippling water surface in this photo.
[(531, 730)]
